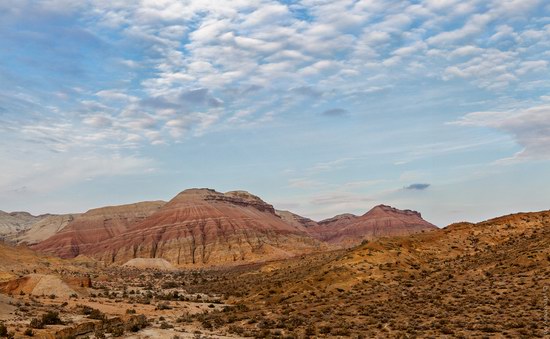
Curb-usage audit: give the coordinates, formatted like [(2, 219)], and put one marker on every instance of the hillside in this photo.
[(380, 221), (44, 228), (466, 280), (87, 230), (15, 222)]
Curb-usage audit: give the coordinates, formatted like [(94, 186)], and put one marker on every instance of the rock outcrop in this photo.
[(202, 227), (381, 221), (95, 226), (150, 263), (37, 285)]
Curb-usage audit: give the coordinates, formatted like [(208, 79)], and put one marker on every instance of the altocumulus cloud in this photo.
[(417, 187)]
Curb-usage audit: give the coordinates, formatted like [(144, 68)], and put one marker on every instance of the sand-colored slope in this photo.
[(15, 222), (45, 228)]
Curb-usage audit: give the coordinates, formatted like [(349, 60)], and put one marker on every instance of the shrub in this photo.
[(137, 323), (169, 284), (3, 330), (163, 306), (164, 325), (36, 323), (51, 318)]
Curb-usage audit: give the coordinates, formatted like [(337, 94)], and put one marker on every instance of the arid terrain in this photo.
[(128, 271)]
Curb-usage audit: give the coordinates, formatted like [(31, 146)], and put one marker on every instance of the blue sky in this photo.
[(319, 107)]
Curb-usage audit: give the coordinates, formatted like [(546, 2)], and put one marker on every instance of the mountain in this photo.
[(15, 222), (94, 226), (381, 221), (329, 228), (201, 227), (44, 228)]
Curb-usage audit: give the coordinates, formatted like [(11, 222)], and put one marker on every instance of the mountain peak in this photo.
[(386, 209), (238, 197)]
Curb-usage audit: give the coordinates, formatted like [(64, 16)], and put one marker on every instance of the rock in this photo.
[(150, 263), (38, 284)]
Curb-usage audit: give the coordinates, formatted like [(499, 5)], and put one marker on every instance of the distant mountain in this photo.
[(198, 227), (381, 221), (202, 227), (329, 228), (15, 222), (94, 226), (44, 228)]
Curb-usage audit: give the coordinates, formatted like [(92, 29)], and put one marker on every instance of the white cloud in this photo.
[(530, 128), (337, 47), (532, 66)]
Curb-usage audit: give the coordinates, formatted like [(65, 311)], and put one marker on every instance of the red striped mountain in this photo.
[(202, 227), (381, 221), (83, 233)]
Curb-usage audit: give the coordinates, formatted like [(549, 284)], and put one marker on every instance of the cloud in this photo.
[(303, 183), (330, 165), (308, 91), (61, 170), (417, 187), (339, 198), (530, 128), (170, 71), (335, 112)]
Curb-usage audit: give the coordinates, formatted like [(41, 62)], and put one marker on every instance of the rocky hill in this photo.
[(201, 227), (16, 222), (381, 221), (83, 233), (43, 228)]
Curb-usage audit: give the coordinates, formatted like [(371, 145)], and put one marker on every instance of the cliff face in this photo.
[(94, 226), (201, 227), (381, 221)]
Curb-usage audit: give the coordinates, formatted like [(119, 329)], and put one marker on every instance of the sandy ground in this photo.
[(154, 333), (6, 310)]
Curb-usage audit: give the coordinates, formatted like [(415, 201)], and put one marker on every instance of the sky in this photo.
[(319, 107)]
